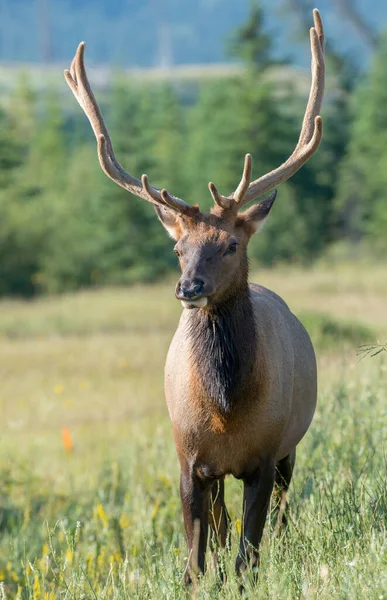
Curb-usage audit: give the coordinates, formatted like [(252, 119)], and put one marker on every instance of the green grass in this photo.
[(329, 332), (104, 520)]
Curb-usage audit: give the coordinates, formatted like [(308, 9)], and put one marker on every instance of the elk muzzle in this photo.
[(191, 292)]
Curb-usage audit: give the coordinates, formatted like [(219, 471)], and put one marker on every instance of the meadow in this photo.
[(89, 492)]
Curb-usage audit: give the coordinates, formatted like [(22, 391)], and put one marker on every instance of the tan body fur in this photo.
[(274, 414)]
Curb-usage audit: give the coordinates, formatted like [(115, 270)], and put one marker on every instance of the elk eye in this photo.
[(232, 248), (176, 251)]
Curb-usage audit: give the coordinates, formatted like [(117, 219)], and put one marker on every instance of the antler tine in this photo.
[(271, 180), (245, 181), (227, 202), (317, 42), (164, 197), (311, 130), (77, 80), (319, 28), (219, 199)]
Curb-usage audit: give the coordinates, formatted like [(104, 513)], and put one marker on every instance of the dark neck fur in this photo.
[(223, 348)]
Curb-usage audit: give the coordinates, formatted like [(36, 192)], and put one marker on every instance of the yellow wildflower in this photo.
[(124, 521), (36, 588), (100, 512), (155, 508)]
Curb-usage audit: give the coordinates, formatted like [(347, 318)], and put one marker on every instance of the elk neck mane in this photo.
[(223, 347)]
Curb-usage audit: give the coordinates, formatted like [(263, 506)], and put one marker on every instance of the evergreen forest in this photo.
[(64, 225)]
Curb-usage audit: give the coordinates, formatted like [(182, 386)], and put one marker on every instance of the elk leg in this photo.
[(283, 476), (194, 493), (219, 520), (258, 488)]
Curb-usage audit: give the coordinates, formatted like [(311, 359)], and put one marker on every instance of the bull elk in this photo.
[(240, 376)]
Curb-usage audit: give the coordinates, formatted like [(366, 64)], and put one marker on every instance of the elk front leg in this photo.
[(194, 493), (258, 488)]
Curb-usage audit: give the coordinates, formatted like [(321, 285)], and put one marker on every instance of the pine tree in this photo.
[(20, 223), (143, 129), (251, 113), (363, 179), (11, 150), (250, 42)]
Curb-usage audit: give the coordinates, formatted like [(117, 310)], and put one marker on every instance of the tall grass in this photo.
[(100, 517)]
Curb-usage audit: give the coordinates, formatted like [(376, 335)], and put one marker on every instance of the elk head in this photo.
[(211, 247)]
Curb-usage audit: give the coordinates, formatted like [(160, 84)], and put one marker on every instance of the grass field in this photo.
[(89, 502)]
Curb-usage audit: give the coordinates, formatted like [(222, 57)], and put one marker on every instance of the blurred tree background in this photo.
[(64, 225)]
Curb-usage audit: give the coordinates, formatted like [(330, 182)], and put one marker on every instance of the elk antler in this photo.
[(77, 79), (308, 142)]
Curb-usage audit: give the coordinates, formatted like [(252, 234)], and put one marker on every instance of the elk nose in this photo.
[(191, 288)]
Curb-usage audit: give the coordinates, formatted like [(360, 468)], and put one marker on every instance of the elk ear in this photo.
[(170, 220), (255, 217)]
